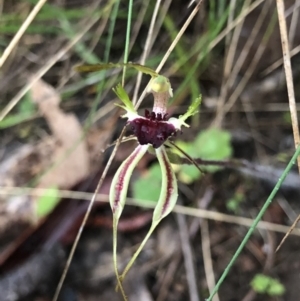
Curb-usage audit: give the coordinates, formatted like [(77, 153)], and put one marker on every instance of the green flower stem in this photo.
[(115, 259), (138, 251), (256, 221)]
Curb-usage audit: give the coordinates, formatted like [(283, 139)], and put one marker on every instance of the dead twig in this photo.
[(21, 31), (205, 240), (288, 72), (188, 258), (13, 102), (290, 89)]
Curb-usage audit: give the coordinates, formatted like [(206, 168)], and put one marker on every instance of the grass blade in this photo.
[(256, 221)]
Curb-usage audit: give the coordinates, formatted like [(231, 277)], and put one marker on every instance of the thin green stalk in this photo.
[(256, 221), (205, 42), (68, 29), (108, 43), (181, 53), (127, 40), (138, 251), (115, 259), (111, 29)]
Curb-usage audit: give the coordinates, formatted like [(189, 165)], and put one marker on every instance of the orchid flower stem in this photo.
[(115, 259), (118, 192), (138, 251)]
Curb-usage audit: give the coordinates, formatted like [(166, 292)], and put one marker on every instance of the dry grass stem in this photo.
[(233, 24), (288, 72), (138, 24), (242, 84), (207, 259), (47, 66), (279, 62), (222, 110), (21, 31), (288, 232), (247, 222), (188, 258), (228, 66), (146, 49), (85, 218), (294, 22), (229, 28), (172, 46), (195, 212), (232, 7), (254, 33), (160, 20)]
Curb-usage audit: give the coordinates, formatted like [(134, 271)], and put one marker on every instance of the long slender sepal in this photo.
[(117, 198), (115, 259), (165, 204), (120, 182), (169, 190), (137, 252)]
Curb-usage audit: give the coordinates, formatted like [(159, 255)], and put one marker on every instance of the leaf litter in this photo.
[(70, 147)]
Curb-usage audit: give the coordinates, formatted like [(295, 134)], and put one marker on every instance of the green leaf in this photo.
[(234, 203), (26, 105), (15, 119), (47, 202), (147, 187), (100, 67), (264, 284), (26, 111), (211, 144), (260, 283), (276, 288), (287, 118)]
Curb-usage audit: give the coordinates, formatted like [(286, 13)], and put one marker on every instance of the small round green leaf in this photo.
[(47, 202), (147, 187)]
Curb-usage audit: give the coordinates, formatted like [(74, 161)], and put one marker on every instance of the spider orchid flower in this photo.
[(152, 131)]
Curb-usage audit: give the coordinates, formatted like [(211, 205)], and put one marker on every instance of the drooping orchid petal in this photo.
[(120, 182), (169, 190), (117, 197), (165, 204)]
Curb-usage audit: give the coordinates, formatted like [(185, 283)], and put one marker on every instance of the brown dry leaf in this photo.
[(70, 156), (52, 155)]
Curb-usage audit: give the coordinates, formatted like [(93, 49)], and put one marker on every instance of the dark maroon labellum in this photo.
[(152, 129)]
